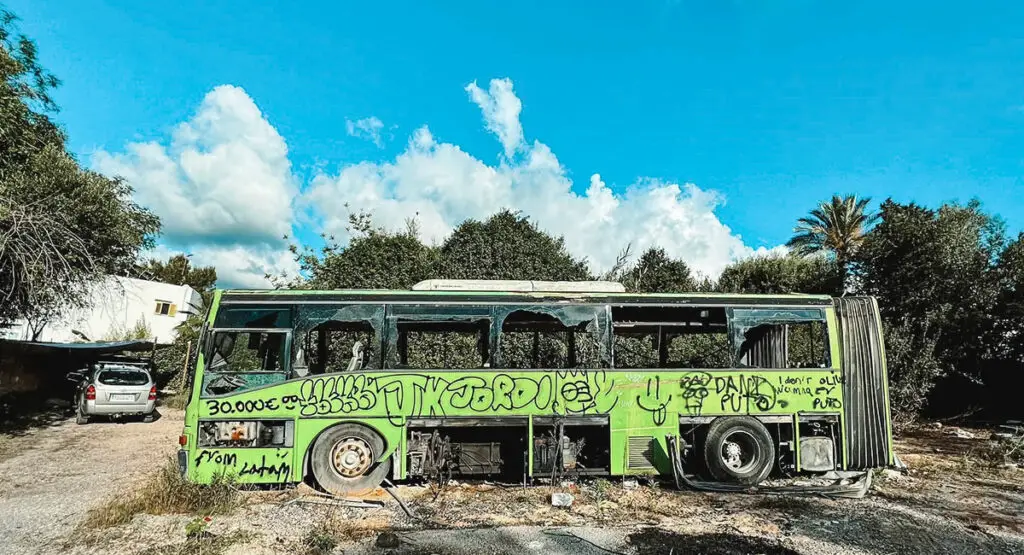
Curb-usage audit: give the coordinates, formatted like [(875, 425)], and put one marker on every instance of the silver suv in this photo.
[(114, 389)]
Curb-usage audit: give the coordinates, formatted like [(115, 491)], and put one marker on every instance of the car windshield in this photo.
[(123, 376)]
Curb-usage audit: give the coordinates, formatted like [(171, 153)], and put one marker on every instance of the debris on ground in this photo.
[(388, 540), (960, 433), (561, 499), (955, 503)]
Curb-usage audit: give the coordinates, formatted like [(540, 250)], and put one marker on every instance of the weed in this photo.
[(166, 492), (320, 540)]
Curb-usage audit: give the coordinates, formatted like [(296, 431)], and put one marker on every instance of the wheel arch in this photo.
[(391, 444)]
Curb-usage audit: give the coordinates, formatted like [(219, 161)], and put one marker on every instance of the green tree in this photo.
[(836, 227), (1008, 335), (774, 274), (179, 270), (507, 246), (374, 258), (61, 226), (934, 274), (656, 272)]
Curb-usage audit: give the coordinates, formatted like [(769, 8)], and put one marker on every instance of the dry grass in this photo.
[(208, 544), (335, 529), (166, 492)]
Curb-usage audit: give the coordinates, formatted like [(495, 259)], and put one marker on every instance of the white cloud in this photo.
[(222, 184), (223, 187), (441, 185), (366, 128), (224, 175), (501, 108)]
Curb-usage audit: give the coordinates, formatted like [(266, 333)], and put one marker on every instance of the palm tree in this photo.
[(836, 227)]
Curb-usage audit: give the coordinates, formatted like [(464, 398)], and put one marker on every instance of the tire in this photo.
[(148, 418), (739, 450), (81, 417), (343, 460)]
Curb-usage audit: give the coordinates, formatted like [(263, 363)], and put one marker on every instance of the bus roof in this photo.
[(392, 295)]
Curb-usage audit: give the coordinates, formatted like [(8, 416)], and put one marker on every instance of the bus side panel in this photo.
[(265, 465), (643, 407)]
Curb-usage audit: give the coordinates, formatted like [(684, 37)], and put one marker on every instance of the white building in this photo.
[(118, 305)]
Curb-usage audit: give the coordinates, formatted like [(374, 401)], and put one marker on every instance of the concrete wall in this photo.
[(115, 306)]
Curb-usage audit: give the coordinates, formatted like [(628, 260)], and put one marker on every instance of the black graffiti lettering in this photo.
[(833, 380), (465, 391), (793, 390), (745, 393), (227, 407), (279, 471), (503, 386), (542, 394), (216, 457), (337, 395), (827, 403)]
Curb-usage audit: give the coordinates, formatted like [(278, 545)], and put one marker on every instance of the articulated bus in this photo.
[(533, 380)]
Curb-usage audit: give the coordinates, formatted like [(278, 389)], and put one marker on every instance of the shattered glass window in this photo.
[(337, 338), (243, 360), (438, 337), (670, 337), (781, 338), (537, 340), (253, 317), (545, 336), (340, 348)]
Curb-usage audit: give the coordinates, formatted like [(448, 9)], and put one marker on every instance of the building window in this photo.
[(166, 309)]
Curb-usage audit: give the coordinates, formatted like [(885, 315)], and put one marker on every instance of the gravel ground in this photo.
[(51, 475), (951, 503)]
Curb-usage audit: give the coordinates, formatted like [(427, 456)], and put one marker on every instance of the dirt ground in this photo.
[(951, 502)]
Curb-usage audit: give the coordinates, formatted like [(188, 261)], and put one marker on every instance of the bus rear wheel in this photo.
[(739, 450), (344, 460)]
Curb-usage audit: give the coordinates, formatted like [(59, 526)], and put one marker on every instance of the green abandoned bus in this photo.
[(533, 380)]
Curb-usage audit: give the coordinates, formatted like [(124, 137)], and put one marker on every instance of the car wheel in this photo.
[(344, 460), (148, 418), (80, 416), (739, 450)]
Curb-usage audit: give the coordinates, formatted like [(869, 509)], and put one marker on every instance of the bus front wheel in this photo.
[(739, 450), (344, 460)]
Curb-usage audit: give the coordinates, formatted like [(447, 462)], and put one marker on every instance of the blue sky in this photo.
[(763, 107)]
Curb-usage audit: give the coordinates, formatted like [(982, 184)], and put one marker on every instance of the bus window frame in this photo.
[(570, 316), (738, 330), (664, 334), (286, 363), (304, 316), (396, 313)]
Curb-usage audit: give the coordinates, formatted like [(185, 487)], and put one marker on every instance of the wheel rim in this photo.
[(740, 451), (351, 457)]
